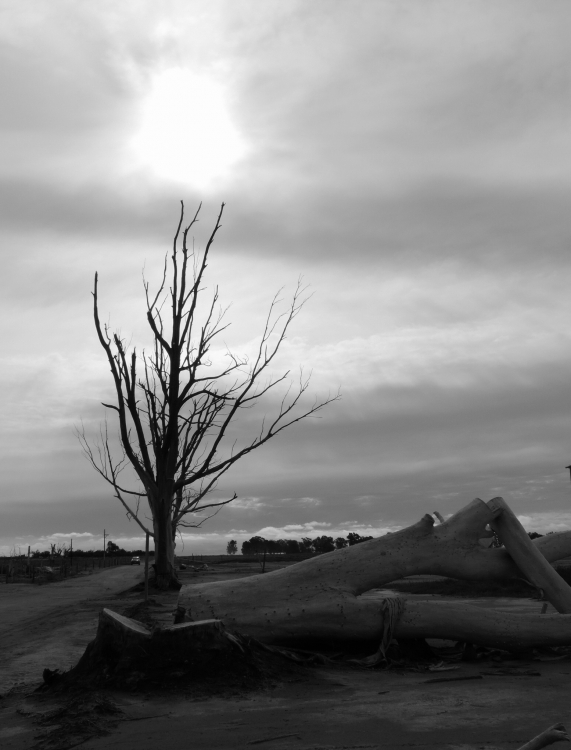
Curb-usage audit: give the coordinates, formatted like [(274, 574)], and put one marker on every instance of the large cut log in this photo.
[(320, 598), (487, 627)]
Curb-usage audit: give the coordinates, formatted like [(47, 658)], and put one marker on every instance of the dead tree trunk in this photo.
[(320, 598), (165, 571)]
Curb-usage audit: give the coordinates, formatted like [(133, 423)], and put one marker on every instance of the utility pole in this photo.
[(103, 547), (71, 553), (147, 567)]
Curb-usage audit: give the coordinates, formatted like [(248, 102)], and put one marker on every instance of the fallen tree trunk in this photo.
[(527, 557), (486, 627), (556, 733), (320, 598)]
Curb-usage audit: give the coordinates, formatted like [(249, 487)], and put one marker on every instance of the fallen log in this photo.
[(527, 557), (486, 627), (319, 599), (556, 733)]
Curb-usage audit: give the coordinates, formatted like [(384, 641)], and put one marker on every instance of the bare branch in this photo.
[(109, 470)]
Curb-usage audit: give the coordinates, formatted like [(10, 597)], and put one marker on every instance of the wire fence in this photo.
[(44, 570)]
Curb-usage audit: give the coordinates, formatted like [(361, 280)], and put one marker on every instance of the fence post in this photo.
[(147, 567)]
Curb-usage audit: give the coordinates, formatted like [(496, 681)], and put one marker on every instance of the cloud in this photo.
[(314, 501), (366, 499), (411, 162), (293, 531), (248, 503), (545, 522), (320, 528)]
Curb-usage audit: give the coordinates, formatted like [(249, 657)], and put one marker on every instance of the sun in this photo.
[(186, 133)]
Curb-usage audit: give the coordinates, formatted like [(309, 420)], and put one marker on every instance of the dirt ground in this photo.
[(493, 705)]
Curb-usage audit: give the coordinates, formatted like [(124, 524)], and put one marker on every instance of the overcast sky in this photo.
[(411, 159)]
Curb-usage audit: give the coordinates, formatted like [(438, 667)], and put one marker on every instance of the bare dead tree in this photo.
[(174, 413)]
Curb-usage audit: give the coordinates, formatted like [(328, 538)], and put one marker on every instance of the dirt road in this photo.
[(346, 710), (50, 625), (492, 706)]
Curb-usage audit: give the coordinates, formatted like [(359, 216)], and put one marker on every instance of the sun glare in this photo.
[(186, 133)]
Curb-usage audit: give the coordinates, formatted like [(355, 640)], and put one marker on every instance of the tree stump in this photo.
[(124, 650)]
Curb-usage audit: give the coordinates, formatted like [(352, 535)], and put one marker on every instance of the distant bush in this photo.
[(357, 539), (323, 544), (259, 545)]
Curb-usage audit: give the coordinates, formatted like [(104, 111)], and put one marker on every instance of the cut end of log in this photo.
[(127, 627), (427, 519), (497, 505)]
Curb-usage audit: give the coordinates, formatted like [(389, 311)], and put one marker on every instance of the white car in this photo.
[(135, 561)]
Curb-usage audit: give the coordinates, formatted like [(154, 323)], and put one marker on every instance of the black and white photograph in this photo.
[(285, 382)]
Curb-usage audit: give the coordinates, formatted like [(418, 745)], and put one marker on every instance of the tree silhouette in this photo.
[(232, 547), (174, 410)]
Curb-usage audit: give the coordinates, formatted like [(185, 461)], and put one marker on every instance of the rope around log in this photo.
[(392, 608)]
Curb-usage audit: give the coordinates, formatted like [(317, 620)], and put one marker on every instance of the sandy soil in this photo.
[(49, 626), (499, 706)]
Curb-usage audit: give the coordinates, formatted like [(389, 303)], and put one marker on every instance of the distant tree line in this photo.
[(255, 545), (317, 546), (64, 550)]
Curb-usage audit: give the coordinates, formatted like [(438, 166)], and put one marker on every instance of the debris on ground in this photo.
[(80, 717)]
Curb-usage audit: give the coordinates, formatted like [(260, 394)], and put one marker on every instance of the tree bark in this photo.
[(556, 733), (528, 559), (164, 565), (486, 627), (320, 598)]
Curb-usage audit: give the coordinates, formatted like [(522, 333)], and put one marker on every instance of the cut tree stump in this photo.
[(124, 647), (319, 599)]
